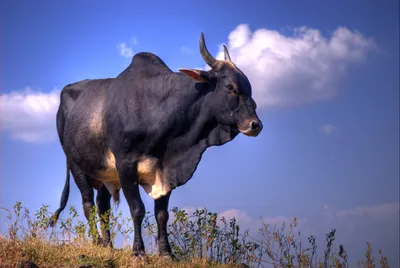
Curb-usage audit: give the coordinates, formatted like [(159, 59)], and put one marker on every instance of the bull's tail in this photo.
[(64, 199)]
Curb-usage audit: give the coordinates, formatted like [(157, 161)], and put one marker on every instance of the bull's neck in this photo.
[(204, 125), (197, 115)]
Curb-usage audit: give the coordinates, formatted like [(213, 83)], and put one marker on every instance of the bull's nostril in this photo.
[(254, 125), (254, 128)]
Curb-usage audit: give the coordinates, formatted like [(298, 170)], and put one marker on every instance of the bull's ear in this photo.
[(197, 75)]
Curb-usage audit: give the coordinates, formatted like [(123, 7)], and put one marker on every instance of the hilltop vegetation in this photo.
[(197, 240)]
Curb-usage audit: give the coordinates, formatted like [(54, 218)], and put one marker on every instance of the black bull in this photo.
[(149, 126)]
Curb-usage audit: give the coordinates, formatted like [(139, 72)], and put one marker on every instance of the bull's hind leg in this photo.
[(104, 205), (87, 193)]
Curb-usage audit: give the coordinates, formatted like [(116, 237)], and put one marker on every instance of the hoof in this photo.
[(168, 257), (105, 243), (108, 244), (139, 259), (99, 241), (27, 264), (51, 223)]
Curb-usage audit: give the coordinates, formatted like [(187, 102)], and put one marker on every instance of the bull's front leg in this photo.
[(162, 216), (127, 169)]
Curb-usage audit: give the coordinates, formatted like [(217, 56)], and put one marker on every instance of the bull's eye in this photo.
[(229, 87)]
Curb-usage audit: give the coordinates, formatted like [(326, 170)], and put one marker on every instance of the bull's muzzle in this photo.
[(254, 128)]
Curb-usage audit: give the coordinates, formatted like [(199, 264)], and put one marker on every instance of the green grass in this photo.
[(197, 240)]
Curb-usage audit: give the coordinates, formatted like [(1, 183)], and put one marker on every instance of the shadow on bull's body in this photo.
[(149, 126)]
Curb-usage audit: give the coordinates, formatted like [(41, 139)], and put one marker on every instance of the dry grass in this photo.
[(45, 254)]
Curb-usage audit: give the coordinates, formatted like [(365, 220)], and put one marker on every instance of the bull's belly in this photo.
[(149, 174), (96, 160)]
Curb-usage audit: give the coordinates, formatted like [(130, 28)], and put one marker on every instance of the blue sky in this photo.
[(324, 75)]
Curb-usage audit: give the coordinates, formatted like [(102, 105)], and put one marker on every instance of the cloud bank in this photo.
[(29, 115), (381, 212), (327, 129), (245, 221), (297, 69)]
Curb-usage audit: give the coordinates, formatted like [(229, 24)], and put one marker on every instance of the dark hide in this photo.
[(150, 110)]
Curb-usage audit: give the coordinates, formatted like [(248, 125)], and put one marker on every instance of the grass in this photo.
[(198, 240)]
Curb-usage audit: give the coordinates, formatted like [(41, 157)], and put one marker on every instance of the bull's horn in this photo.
[(208, 58), (227, 57)]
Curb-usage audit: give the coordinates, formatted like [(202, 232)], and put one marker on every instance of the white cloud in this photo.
[(348, 220), (124, 50), (134, 41), (186, 50), (382, 211), (29, 115), (327, 129), (244, 220), (298, 69)]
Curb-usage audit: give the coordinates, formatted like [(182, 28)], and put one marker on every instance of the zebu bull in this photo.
[(149, 126)]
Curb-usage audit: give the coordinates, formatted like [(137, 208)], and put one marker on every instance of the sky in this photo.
[(325, 76)]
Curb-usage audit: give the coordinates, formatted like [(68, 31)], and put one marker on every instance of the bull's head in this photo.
[(231, 97)]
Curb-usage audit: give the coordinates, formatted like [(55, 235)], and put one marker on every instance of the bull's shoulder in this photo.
[(146, 64)]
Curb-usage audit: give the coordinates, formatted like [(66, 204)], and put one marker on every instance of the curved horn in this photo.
[(208, 58), (227, 57)]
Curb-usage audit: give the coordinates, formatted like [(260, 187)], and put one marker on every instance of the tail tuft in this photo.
[(116, 198)]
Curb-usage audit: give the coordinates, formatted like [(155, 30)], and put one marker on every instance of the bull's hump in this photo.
[(148, 64), (147, 58)]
